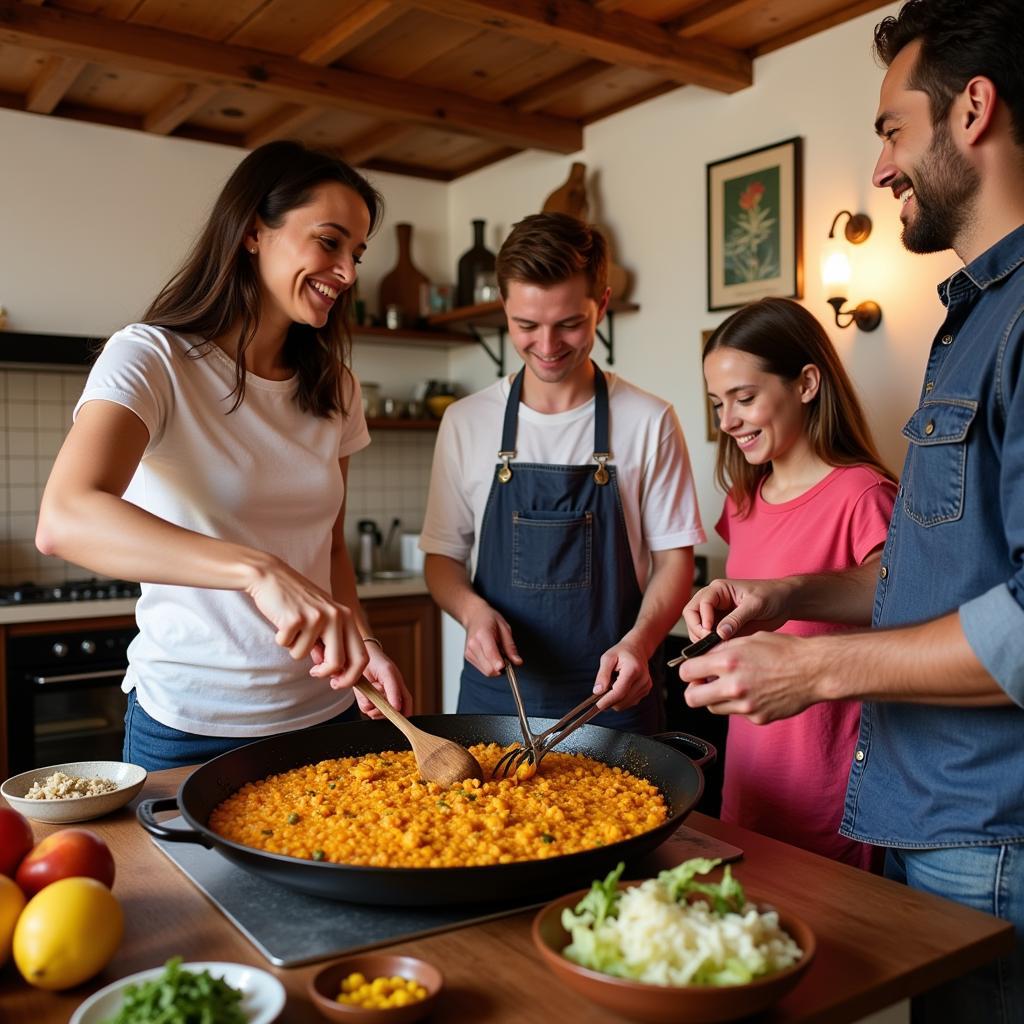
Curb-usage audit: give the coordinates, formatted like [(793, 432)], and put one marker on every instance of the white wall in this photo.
[(93, 220), (647, 185)]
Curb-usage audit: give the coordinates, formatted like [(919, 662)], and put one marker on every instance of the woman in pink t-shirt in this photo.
[(806, 492)]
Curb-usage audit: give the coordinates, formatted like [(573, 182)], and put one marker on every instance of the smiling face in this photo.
[(764, 414), (931, 178), (552, 329), (306, 262)]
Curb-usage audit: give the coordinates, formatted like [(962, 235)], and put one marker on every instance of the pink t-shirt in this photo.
[(788, 779)]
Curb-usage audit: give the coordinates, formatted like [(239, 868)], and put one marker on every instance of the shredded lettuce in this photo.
[(604, 930)]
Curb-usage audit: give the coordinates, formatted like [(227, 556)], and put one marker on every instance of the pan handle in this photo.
[(699, 751), (148, 808)]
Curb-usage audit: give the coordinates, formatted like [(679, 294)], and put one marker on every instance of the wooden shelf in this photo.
[(413, 336), (398, 423), (492, 314)]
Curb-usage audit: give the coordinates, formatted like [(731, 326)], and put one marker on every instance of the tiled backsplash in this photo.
[(386, 481)]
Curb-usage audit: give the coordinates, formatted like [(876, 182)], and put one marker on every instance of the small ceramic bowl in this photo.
[(129, 779), (325, 985), (667, 1004)]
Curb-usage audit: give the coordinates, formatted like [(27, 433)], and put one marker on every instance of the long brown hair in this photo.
[(784, 338), (217, 287)]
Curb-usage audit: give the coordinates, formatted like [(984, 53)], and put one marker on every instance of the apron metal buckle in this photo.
[(601, 474), (505, 473)]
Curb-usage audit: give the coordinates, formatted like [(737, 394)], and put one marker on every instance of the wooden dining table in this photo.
[(878, 942)]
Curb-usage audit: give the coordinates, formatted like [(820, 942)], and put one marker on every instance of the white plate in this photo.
[(264, 994), (129, 779)]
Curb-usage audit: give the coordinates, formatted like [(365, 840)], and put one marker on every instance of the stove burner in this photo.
[(71, 590)]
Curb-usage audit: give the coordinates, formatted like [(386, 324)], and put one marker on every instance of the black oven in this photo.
[(64, 699)]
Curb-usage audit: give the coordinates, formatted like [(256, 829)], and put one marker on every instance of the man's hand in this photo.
[(763, 677), (489, 642), (623, 676), (749, 606)]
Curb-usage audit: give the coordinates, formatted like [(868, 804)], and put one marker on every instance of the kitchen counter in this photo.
[(878, 942), (62, 611)]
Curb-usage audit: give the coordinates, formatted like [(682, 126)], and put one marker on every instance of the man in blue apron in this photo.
[(569, 492)]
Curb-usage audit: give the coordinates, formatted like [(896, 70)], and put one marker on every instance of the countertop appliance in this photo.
[(63, 682)]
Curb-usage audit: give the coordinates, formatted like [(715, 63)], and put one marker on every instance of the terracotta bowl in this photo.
[(679, 1004), (325, 985)]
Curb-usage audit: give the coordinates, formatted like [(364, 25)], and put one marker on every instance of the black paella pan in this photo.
[(660, 760)]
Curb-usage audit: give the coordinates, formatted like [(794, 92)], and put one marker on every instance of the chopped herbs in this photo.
[(181, 997), (318, 855), (293, 818)]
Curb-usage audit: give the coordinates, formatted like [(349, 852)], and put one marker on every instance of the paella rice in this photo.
[(376, 810)]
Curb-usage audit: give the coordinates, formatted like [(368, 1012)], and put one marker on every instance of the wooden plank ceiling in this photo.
[(432, 88)]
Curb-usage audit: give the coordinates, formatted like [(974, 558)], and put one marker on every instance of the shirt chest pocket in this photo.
[(933, 483), (551, 550)]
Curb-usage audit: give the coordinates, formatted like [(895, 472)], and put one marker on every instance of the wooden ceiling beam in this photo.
[(283, 122), (368, 145), (160, 52), (610, 36), (818, 25), (346, 34), (710, 16), (50, 85), (548, 91), (177, 107)]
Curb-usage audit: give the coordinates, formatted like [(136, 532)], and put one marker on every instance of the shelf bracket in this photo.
[(607, 336), (496, 357)]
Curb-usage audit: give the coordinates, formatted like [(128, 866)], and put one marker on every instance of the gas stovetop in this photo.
[(70, 590)]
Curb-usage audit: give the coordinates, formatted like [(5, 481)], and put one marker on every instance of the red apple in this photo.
[(70, 852), (16, 840)]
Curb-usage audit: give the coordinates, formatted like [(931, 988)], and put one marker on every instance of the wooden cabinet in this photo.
[(410, 630)]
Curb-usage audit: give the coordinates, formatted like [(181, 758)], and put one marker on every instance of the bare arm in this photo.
[(666, 592), (84, 518), (746, 606), (380, 670), (489, 640), (770, 676)]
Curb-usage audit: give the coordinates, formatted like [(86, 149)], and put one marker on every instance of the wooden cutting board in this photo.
[(683, 844)]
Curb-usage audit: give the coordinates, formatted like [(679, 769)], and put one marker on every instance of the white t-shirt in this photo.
[(265, 475), (649, 454)]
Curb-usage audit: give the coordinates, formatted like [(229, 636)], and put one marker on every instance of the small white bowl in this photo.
[(264, 994), (129, 779)]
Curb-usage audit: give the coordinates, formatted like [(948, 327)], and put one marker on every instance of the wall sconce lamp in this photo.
[(835, 273)]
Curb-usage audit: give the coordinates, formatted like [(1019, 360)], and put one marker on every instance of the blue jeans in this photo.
[(155, 746), (987, 878)]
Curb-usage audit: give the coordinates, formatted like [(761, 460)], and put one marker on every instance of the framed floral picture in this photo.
[(755, 237)]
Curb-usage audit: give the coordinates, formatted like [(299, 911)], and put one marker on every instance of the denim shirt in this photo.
[(925, 775)]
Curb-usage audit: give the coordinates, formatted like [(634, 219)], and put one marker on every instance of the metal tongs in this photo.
[(697, 648), (535, 747)]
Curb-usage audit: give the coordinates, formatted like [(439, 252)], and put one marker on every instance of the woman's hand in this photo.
[(306, 618), (750, 606), (383, 675)]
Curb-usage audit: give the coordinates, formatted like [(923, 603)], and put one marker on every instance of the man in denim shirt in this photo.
[(938, 773)]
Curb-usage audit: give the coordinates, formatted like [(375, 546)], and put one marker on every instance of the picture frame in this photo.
[(755, 225), (710, 416)]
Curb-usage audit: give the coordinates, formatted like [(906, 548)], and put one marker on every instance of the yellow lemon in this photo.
[(67, 933), (12, 902)]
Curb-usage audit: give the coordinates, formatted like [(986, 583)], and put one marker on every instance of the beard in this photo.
[(944, 184)]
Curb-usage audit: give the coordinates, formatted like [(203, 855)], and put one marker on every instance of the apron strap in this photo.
[(602, 451)]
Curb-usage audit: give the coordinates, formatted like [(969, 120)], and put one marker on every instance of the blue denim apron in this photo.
[(554, 560)]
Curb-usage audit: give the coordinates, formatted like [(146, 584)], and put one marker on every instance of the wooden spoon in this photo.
[(439, 760)]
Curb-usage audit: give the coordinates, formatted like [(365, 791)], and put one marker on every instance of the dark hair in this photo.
[(217, 287), (549, 248), (784, 338), (960, 39)]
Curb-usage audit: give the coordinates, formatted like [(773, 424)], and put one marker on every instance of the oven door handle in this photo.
[(75, 677)]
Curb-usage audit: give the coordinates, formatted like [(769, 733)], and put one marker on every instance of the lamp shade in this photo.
[(835, 269)]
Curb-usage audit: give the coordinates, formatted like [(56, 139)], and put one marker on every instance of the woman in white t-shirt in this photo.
[(208, 458)]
